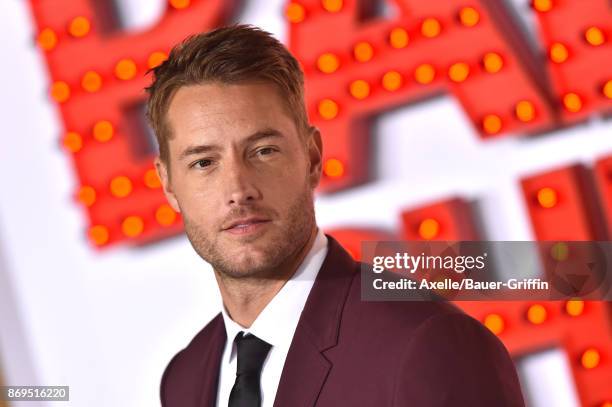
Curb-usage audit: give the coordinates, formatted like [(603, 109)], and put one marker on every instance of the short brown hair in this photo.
[(232, 54)]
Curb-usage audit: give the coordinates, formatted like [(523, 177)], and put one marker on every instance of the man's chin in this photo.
[(246, 269), (248, 260)]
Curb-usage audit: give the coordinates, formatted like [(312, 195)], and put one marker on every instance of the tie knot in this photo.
[(252, 353)]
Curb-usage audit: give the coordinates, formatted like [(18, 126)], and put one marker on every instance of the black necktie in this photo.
[(252, 352)]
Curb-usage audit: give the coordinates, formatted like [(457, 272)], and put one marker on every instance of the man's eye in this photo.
[(201, 163), (265, 151)]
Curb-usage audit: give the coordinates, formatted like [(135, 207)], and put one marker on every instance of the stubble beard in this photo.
[(279, 249)]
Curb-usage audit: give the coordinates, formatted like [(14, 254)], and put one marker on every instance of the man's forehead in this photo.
[(210, 110), (215, 102)]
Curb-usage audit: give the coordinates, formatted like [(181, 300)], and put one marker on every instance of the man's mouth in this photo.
[(246, 226)]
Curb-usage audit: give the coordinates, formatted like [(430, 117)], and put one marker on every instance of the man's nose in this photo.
[(239, 183)]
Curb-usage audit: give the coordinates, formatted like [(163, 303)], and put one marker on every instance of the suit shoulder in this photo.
[(467, 362)]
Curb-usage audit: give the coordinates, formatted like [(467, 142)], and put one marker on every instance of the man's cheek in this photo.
[(291, 176), (196, 192), (278, 193)]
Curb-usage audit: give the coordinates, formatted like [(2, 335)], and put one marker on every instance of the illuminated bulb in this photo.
[(574, 308), (103, 131), (547, 197), (72, 141), (424, 74), (98, 235), (328, 62), (536, 314), (363, 52), (151, 179), (92, 81), (572, 102), (492, 62), (125, 69), (79, 27), (607, 89), (525, 111), (165, 215), (328, 109), (429, 228), (559, 251), (86, 195), (333, 6), (430, 28), (542, 5), (594, 36), (180, 4), (558, 53), (47, 39), (132, 226), (468, 16), (607, 404), (458, 72), (495, 323), (295, 13), (491, 124), (121, 186), (392, 81), (590, 358), (156, 58), (360, 89), (398, 38), (333, 168), (60, 92)]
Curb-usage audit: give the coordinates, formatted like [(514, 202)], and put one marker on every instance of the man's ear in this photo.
[(315, 156), (164, 175)]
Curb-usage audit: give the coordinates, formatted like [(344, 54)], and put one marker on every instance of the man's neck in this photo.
[(244, 299)]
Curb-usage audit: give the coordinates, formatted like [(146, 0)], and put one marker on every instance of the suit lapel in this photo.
[(211, 364), (306, 367)]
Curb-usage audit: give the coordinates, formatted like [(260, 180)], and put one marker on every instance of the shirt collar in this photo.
[(276, 323)]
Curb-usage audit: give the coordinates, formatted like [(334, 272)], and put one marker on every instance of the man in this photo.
[(239, 160)]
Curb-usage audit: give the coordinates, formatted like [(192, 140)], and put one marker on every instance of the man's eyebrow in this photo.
[(265, 133), (203, 148), (199, 149)]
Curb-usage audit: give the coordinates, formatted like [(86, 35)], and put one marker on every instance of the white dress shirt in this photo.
[(275, 324)]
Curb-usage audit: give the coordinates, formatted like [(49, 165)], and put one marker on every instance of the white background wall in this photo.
[(107, 324)]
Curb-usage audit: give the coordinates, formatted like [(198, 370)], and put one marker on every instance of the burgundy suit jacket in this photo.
[(348, 352)]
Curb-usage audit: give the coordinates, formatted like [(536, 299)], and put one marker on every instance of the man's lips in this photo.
[(245, 223)]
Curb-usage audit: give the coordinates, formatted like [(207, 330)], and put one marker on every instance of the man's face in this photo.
[(240, 175)]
